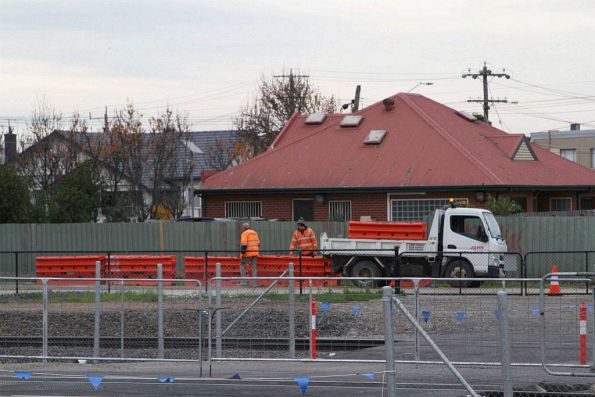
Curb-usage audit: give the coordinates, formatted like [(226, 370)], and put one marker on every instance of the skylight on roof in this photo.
[(375, 137), (466, 115), (193, 148), (351, 121), (316, 118)]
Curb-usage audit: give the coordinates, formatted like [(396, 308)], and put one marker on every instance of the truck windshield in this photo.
[(493, 227)]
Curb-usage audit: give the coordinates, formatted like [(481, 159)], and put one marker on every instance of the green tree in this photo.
[(277, 99), (15, 197), (503, 206), (77, 197)]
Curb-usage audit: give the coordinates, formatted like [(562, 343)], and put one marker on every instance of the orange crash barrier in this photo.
[(267, 266), (68, 267), (141, 266), (121, 266), (387, 230)]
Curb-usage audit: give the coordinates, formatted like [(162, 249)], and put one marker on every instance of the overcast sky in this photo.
[(206, 57)]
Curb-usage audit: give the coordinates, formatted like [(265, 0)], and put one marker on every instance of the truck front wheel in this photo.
[(460, 269), (366, 269)]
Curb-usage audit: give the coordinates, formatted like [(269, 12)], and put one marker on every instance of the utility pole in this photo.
[(485, 73), (291, 77), (105, 125)]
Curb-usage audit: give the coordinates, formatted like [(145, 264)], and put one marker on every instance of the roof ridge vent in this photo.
[(315, 118), (466, 115), (352, 120)]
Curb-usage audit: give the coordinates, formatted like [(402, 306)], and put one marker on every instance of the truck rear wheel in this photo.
[(460, 269), (365, 268)]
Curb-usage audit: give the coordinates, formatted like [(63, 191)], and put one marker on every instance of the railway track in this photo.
[(191, 342)]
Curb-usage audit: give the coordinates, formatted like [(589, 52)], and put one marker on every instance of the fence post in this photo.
[(312, 348), (389, 342), (504, 342), (109, 271), (587, 285), (291, 303), (160, 343), (593, 333), (206, 272), (16, 272), (397, 271), (417, 347), (301, 275), (44, 342), (96, 335), (218, 336), (121, 319)]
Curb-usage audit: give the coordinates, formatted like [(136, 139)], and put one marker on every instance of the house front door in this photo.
[(303, 208)]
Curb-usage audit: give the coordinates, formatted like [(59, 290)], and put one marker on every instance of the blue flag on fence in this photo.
[(303, 384), (590, 308), (324, 307), (23, 374), (426, 315), (167, 380), (235, 376), (497, 314), (460, 316), (355, 310), (369, 375), (535, 311), (95, 381)]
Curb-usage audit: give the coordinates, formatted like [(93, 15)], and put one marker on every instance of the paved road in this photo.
[(258, 378)]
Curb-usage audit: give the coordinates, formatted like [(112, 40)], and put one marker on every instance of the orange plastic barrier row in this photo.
[(267, 266), (121, 266), (387, 230)]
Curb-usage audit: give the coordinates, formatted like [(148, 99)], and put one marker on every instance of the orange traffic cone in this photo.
[(554, 284)]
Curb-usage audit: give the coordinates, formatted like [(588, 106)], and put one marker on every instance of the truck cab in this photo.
[(469, 241)]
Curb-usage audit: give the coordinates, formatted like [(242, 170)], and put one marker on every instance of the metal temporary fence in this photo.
[(273, 323), (160, 319)]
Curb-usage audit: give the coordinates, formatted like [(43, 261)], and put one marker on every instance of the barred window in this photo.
[(243, 209), (339, 210), (560, 204), (416, 209)]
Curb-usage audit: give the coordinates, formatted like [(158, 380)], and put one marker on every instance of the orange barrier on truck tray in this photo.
[(120, 266), (267, 266), (387, 230)]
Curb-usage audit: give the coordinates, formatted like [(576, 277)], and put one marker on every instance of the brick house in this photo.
[(398, 159)]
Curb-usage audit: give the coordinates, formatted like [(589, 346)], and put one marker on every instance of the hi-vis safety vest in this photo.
[(305, 242), (249, 239)]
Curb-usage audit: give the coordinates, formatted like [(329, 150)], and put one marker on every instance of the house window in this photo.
[(521, 201), (416, 210), (568, 154), (592, 158), (339, 210), (243, 209), (560, 204)]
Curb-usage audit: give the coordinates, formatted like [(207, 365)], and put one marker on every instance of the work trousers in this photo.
[(252, 261)]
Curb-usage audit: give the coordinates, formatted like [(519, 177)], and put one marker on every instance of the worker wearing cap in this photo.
[(303, 240), (249, 243)]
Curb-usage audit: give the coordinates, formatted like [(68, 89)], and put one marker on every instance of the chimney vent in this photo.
[(10, 147), (575, 127), (389, 104)]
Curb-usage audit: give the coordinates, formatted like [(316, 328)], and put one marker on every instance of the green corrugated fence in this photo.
[(523, 234)]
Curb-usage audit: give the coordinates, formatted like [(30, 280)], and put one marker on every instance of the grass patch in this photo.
[(343, 296), (80, 297)]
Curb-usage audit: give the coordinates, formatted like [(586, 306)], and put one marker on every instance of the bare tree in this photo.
[(168, 154), (277, 99), (223, 154)]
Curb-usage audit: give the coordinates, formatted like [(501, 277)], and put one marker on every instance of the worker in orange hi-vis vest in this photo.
[(249, 243), (303, 240)]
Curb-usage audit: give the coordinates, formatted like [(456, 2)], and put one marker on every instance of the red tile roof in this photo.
[(426, 144)]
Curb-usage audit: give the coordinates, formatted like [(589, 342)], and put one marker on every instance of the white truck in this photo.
[(462, 243)]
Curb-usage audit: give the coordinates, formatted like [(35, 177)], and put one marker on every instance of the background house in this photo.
[(575, 145), (141, 168), (398, 159)]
